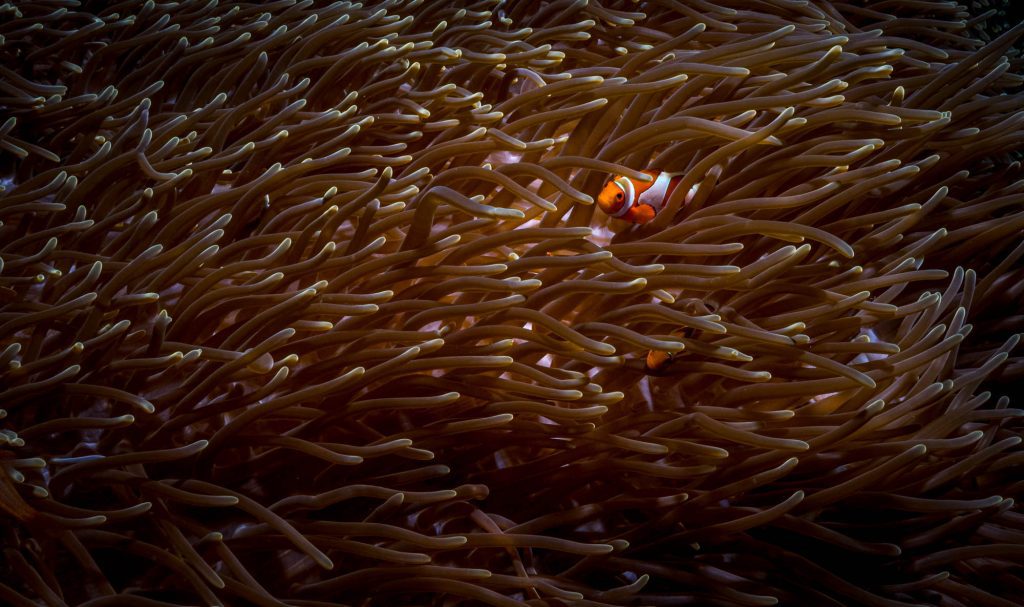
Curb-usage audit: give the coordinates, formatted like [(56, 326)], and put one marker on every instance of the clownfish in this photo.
[(657, 362), (637, 201)]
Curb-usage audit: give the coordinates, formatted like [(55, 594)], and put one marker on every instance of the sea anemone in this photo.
[(308, 304)]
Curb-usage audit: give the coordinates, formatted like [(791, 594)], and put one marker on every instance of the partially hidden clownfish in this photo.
[(657, 362), (637, 201)]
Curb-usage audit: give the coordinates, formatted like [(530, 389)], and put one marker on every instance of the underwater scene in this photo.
[(556, 303)]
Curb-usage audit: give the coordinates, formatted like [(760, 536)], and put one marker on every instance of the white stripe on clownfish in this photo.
[(656, 194), (630, 193)]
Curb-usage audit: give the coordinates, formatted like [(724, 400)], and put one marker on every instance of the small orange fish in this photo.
[(658, 361), (637, 201)]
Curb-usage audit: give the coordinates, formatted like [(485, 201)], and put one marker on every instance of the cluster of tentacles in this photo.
[(309, 304)]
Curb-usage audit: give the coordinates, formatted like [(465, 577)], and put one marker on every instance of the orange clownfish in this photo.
[(637, 201), (657, 362)]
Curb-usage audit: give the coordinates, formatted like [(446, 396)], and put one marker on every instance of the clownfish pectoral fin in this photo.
[(643, 213)]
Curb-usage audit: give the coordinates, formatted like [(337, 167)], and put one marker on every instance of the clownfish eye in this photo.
[(618, 196)]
